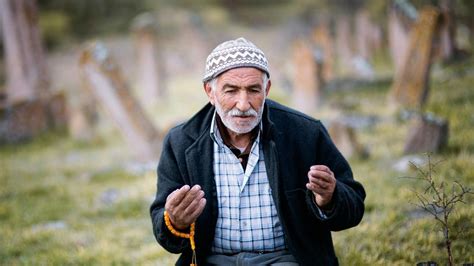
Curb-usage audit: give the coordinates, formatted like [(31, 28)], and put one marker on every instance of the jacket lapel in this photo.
[(269, 136), (199, 155), (199, 159), (271, 165)]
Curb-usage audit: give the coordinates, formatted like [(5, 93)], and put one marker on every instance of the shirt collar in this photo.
[(216, 135)]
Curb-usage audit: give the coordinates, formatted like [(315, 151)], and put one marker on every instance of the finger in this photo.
[(320, 185), (320, 175), (320, 181), (171, 195), (198, 210), (175, 197), (321, 167), (189, 197), (194, 204), (316, 188), (176, 194)]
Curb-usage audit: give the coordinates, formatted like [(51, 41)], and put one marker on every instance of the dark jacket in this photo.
[(292, 142)]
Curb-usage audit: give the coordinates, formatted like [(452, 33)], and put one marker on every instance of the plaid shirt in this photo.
[(247, 218)]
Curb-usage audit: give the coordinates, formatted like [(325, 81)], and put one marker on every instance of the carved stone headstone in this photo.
[(427, 134), (447, 34), (83, 112), (58, 112), (150, 71), (27, 106), (411, 84), (112, 92), (81, 124), (345, 139), (22, 121), (368, 35), (325, 44), (26, 71), (306, 84), (362, 37), (398, 32), (343, 43)]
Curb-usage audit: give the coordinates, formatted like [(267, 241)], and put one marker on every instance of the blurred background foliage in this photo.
[(63, 20)]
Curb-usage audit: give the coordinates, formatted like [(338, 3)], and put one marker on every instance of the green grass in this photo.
[(394, 231), (66, 203), (54, 180)]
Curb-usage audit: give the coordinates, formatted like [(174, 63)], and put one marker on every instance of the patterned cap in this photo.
[(233, 54)]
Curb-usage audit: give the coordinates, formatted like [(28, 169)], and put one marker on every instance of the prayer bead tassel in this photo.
[(183, 235)]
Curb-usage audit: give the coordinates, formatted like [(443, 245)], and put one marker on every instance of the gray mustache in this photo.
[(237, 112)]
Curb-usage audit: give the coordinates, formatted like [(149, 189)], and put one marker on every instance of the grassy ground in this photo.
[(64, 202), (67, 203), (394, 231)]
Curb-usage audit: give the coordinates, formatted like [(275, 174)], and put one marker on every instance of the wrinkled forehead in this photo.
[(243, 75)]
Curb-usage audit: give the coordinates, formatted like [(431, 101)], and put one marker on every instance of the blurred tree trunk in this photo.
[(26, 73)]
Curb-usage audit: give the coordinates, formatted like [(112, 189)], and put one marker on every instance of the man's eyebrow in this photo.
[(227, 85), (254, 86), (231, 86)]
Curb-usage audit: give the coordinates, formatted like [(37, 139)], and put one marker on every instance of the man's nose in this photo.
[(243, 103)]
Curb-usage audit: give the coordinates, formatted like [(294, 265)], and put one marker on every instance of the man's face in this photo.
[(239, 96)]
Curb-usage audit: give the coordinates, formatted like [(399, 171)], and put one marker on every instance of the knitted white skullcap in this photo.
[(233, 54)]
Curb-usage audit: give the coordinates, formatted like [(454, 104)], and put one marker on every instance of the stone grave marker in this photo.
[(325, 44), (22, 121), (306, 82), (58, 111), (447, 34), (27, 106), (427, 134), (362, 36), (345, 139), (411, 84), (25, 65), (368, 35), (112, 92), (398, 37), (150, 67), (84, 114), (343, 43)]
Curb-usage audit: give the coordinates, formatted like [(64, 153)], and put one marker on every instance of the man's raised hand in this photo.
[(322, 183), (184, 206)]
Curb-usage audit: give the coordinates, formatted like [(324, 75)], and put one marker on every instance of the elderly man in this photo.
[(249, 180)]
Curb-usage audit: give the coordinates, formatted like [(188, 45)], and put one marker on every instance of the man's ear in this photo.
[(208, 90), (267, 90)]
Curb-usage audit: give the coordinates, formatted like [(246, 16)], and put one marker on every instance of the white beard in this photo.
[(227, 118)]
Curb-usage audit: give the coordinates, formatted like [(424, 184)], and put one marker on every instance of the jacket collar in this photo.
[(200, 122)]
